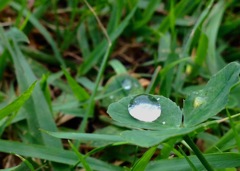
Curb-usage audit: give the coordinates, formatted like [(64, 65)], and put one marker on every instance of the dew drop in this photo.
[(198, 101), (127, 84), (163, 122), (144, 108)]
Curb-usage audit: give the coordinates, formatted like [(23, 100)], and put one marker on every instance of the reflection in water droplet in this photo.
[(163, 122), (127, 84), (144, 108), (158, 98)]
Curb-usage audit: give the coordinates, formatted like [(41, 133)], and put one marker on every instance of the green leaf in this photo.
[(117, 7), (86, 137), (120, 86), (147, 138), (37, 109), (211, 29), (78, 91), (17, 103), (118, 67), (82, 40), (42, 30), (171, 115), (147, 14), (201, 105), (218, 161), (182, 8), (81, 157), (226, 142), (100, 49), (26, 162), (141, 164), (18, 35), (52, 154)]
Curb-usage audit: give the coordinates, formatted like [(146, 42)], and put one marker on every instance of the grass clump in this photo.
[(68, 70)]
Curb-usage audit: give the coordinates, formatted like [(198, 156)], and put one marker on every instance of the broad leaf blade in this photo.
[(203, 104), (171, 115)]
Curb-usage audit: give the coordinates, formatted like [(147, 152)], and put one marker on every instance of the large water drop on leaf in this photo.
[(144, 108)]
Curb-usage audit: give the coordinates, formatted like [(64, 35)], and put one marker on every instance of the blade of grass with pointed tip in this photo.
[(211, 30), (17, 103), (79, 92), (118, 67), (38, 113)]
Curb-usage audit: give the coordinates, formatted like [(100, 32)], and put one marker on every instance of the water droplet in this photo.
[(144, 108), (158, 98), (198, 101), (163, 122), (127, 84)]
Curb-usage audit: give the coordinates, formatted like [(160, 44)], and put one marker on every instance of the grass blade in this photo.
[(141, 164), (42, 30), (218, 161), (80, 157), (52, 154), (17, 103), (100, 49)]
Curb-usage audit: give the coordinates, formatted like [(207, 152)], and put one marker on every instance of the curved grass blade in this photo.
[(38, 112), (17, 103)]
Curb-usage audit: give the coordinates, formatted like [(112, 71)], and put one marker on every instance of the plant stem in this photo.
[(198, 153)]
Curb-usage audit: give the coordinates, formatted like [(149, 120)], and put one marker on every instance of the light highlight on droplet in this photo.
[(127, 84), (144, 108)]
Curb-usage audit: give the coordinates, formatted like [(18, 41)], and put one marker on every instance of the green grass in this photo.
[(63, 66)]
